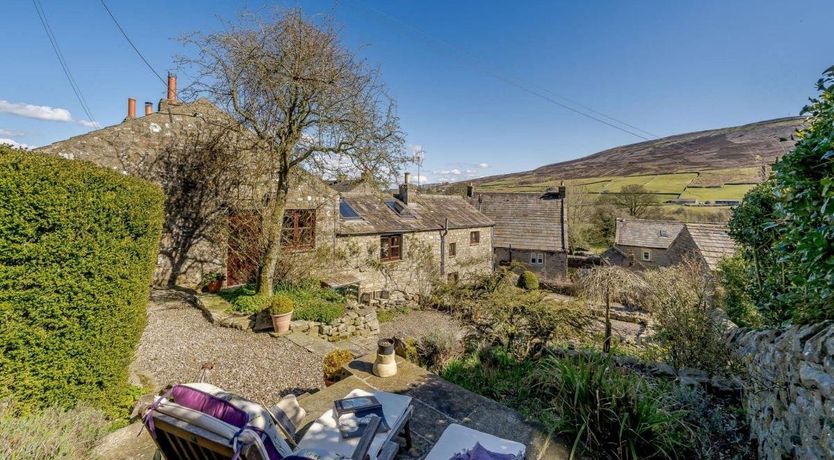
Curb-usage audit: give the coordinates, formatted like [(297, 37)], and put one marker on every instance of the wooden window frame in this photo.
[(474, 237), (453, 249), (301, 235), (536, 260), (394, 251)]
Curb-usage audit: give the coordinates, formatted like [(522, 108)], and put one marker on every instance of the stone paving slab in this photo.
[(437, 404)]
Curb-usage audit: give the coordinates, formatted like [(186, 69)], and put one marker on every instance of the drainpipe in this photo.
[(443, 232)]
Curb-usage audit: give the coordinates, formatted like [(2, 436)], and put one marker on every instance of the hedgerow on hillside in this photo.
[(78, 246)]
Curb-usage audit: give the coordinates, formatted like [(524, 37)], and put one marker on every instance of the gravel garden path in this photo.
[(178, 340), (419, 323)]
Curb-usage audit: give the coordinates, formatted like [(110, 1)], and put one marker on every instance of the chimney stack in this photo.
[(408, 192), (148, 108), (131, 108), (470, 190), (172, 87)]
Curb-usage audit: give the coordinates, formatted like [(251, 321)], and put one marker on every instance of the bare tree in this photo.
[(635, 199), (309, 102), (605, 284)]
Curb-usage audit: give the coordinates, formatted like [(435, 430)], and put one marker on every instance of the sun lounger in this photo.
[(201, 421)]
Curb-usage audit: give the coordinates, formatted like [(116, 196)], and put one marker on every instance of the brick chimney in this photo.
[(131, 108), (148, 108), (408, 192), (172, 87)]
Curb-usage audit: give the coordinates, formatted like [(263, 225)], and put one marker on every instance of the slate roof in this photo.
[(657, 234), (713, 241), (532, 221), (428, 212)]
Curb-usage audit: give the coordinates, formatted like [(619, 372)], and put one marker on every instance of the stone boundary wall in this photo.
[(358, 320), (790, 389)]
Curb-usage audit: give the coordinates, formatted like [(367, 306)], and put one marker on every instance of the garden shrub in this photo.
[(528, 280), (312, 302), (334, 361), (50, 433), (784, 226), (437, 348), (249, 304), (681, 298), (734, 295), (609, 412), (78, 247), (280, 304)]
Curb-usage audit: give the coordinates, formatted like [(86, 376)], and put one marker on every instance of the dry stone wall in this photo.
[(358, 320), (790, 389)]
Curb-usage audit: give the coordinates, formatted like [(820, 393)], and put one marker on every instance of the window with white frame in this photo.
[(647, 255), (537, 258)]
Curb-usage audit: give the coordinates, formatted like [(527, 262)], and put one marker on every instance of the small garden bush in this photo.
[(50, 433), (528, 280), (609, 411), (249, 304), (312, 302), (78, 247), (334, 361), (280, 304)]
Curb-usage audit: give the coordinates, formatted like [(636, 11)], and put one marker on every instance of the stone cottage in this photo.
[(530, 228), (383, 244), (648, 243), (707, 243), (643, 243), (400, 243)]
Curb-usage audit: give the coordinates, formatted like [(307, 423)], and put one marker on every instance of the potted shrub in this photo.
[(213, 282), (280, 308), (334, 362)]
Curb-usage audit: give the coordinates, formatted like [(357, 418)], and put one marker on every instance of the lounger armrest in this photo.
[(361, 451)]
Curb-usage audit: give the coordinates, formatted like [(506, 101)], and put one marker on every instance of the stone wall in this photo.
[(359, 320), (790, 389), (660, 257), (555, 266), (413, 275)]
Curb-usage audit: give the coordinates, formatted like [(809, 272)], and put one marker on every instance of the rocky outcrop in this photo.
[(790, 389)]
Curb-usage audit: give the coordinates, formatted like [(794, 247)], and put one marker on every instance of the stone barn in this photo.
[(530, 228)]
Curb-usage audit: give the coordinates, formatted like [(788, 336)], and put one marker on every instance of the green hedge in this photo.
[(78, 247)]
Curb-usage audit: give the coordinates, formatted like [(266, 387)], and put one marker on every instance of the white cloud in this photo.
[(89, 124), (38, 112), (420, 179), (10, 133), (483, 165), (14, 143)]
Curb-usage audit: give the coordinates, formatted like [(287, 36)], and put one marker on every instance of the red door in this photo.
[(244, 249)]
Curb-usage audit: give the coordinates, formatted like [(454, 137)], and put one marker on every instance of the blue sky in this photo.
[(462, 72)]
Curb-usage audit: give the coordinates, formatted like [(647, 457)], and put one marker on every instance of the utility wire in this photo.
[(122, 30), (61, 60), (540, 92)]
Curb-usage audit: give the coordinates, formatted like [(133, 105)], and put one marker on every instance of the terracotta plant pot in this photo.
[(281, 323), (213, 287)]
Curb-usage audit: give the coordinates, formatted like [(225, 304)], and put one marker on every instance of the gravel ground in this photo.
[(419, 323), (178, 340)]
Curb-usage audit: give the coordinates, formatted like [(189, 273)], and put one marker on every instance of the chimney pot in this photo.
[(407, 178), (148, 108), (131, 107), (470, 190), (172, 87)]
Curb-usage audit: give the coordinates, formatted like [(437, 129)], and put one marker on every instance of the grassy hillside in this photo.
[(719, 164)]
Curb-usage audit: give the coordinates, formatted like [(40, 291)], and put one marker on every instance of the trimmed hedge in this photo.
[(78, 246)]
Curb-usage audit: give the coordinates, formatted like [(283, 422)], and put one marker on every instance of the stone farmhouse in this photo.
[(651, 243), (385, 245), (530, 228)]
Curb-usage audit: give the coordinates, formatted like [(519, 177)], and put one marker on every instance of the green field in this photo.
[(725, 192), (666, 186)]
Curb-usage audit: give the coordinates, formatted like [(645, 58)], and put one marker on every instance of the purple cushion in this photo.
[(480, 453), (209, 405)]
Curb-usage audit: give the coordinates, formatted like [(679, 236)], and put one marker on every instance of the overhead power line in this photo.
[(132, 45), (535, 90), (61, 60)]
